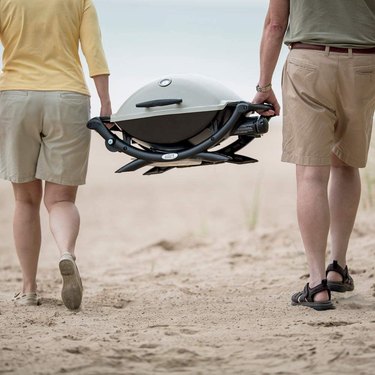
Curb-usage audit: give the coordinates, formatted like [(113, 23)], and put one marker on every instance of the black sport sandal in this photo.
[(306, 297), (347, 283)]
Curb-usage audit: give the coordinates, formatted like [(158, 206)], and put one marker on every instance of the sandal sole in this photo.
[(339, 287), (319, 306)]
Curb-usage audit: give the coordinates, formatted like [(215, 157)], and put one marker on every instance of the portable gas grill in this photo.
[(177, 121)]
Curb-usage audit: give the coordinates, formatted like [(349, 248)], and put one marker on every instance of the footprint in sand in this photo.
[(330, 324), (188, 331), (149, 346)]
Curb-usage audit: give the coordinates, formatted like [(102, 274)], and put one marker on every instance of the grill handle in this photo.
[(260, 107), (158, 103), (252, 126)]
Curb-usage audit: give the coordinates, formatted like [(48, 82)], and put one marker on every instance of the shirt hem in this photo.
[(28, 88)]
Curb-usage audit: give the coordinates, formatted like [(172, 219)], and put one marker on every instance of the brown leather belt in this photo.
[(317, 47)]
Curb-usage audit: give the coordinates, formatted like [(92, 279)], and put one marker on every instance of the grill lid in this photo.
[(176, 94)]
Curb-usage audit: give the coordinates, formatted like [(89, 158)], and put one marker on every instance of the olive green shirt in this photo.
[(338, 23)]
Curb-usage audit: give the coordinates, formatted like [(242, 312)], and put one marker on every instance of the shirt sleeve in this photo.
[(91, 41), (0, 28)]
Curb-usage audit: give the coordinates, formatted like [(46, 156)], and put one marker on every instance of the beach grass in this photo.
[(252, 208)]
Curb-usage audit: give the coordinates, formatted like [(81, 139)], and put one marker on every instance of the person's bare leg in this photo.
[(64, 217), (344, 196), (314, 220), (26, 230), (64, 223)]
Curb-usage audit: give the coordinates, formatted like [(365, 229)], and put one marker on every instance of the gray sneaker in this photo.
[(25, 299), (72, 289)]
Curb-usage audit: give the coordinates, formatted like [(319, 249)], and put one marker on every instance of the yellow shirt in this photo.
[(41, 42)]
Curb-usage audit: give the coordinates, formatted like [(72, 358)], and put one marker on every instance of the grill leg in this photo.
[(133, 166)]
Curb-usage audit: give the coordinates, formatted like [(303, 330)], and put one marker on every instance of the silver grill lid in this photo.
[(186, 94)]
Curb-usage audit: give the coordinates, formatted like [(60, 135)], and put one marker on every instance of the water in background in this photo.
[(148, 39)]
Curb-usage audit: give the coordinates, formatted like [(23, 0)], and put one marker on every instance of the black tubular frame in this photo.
[(115, 144)]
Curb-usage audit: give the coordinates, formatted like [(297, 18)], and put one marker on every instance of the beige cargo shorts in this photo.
[(328, 107), (43, 135)]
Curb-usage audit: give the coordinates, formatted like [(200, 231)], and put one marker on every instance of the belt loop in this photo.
[(350, 52), (326, 51)]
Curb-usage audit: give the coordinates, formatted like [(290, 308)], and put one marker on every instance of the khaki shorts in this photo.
[(328, 107), (43, 135)]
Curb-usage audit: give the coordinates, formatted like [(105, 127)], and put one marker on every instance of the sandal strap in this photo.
[(17, 295), (323, 287), (307, 295), (343, 272)]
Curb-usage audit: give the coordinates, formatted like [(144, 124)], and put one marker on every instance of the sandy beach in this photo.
[(189, 272)]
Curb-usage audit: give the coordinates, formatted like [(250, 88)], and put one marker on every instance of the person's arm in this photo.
[(102, 88), (275, 25), (92, 48)]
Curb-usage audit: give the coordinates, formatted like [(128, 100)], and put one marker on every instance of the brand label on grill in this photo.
[(169, 156)]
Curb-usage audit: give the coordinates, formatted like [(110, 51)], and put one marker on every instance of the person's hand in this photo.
[(270, 98), (106, 111)]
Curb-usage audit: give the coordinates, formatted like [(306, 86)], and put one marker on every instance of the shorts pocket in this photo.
[(73, 96), (301, 64), (365, 82), (10, 93), (302, 75)]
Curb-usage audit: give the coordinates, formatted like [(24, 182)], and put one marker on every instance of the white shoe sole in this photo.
[(71, 292)]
